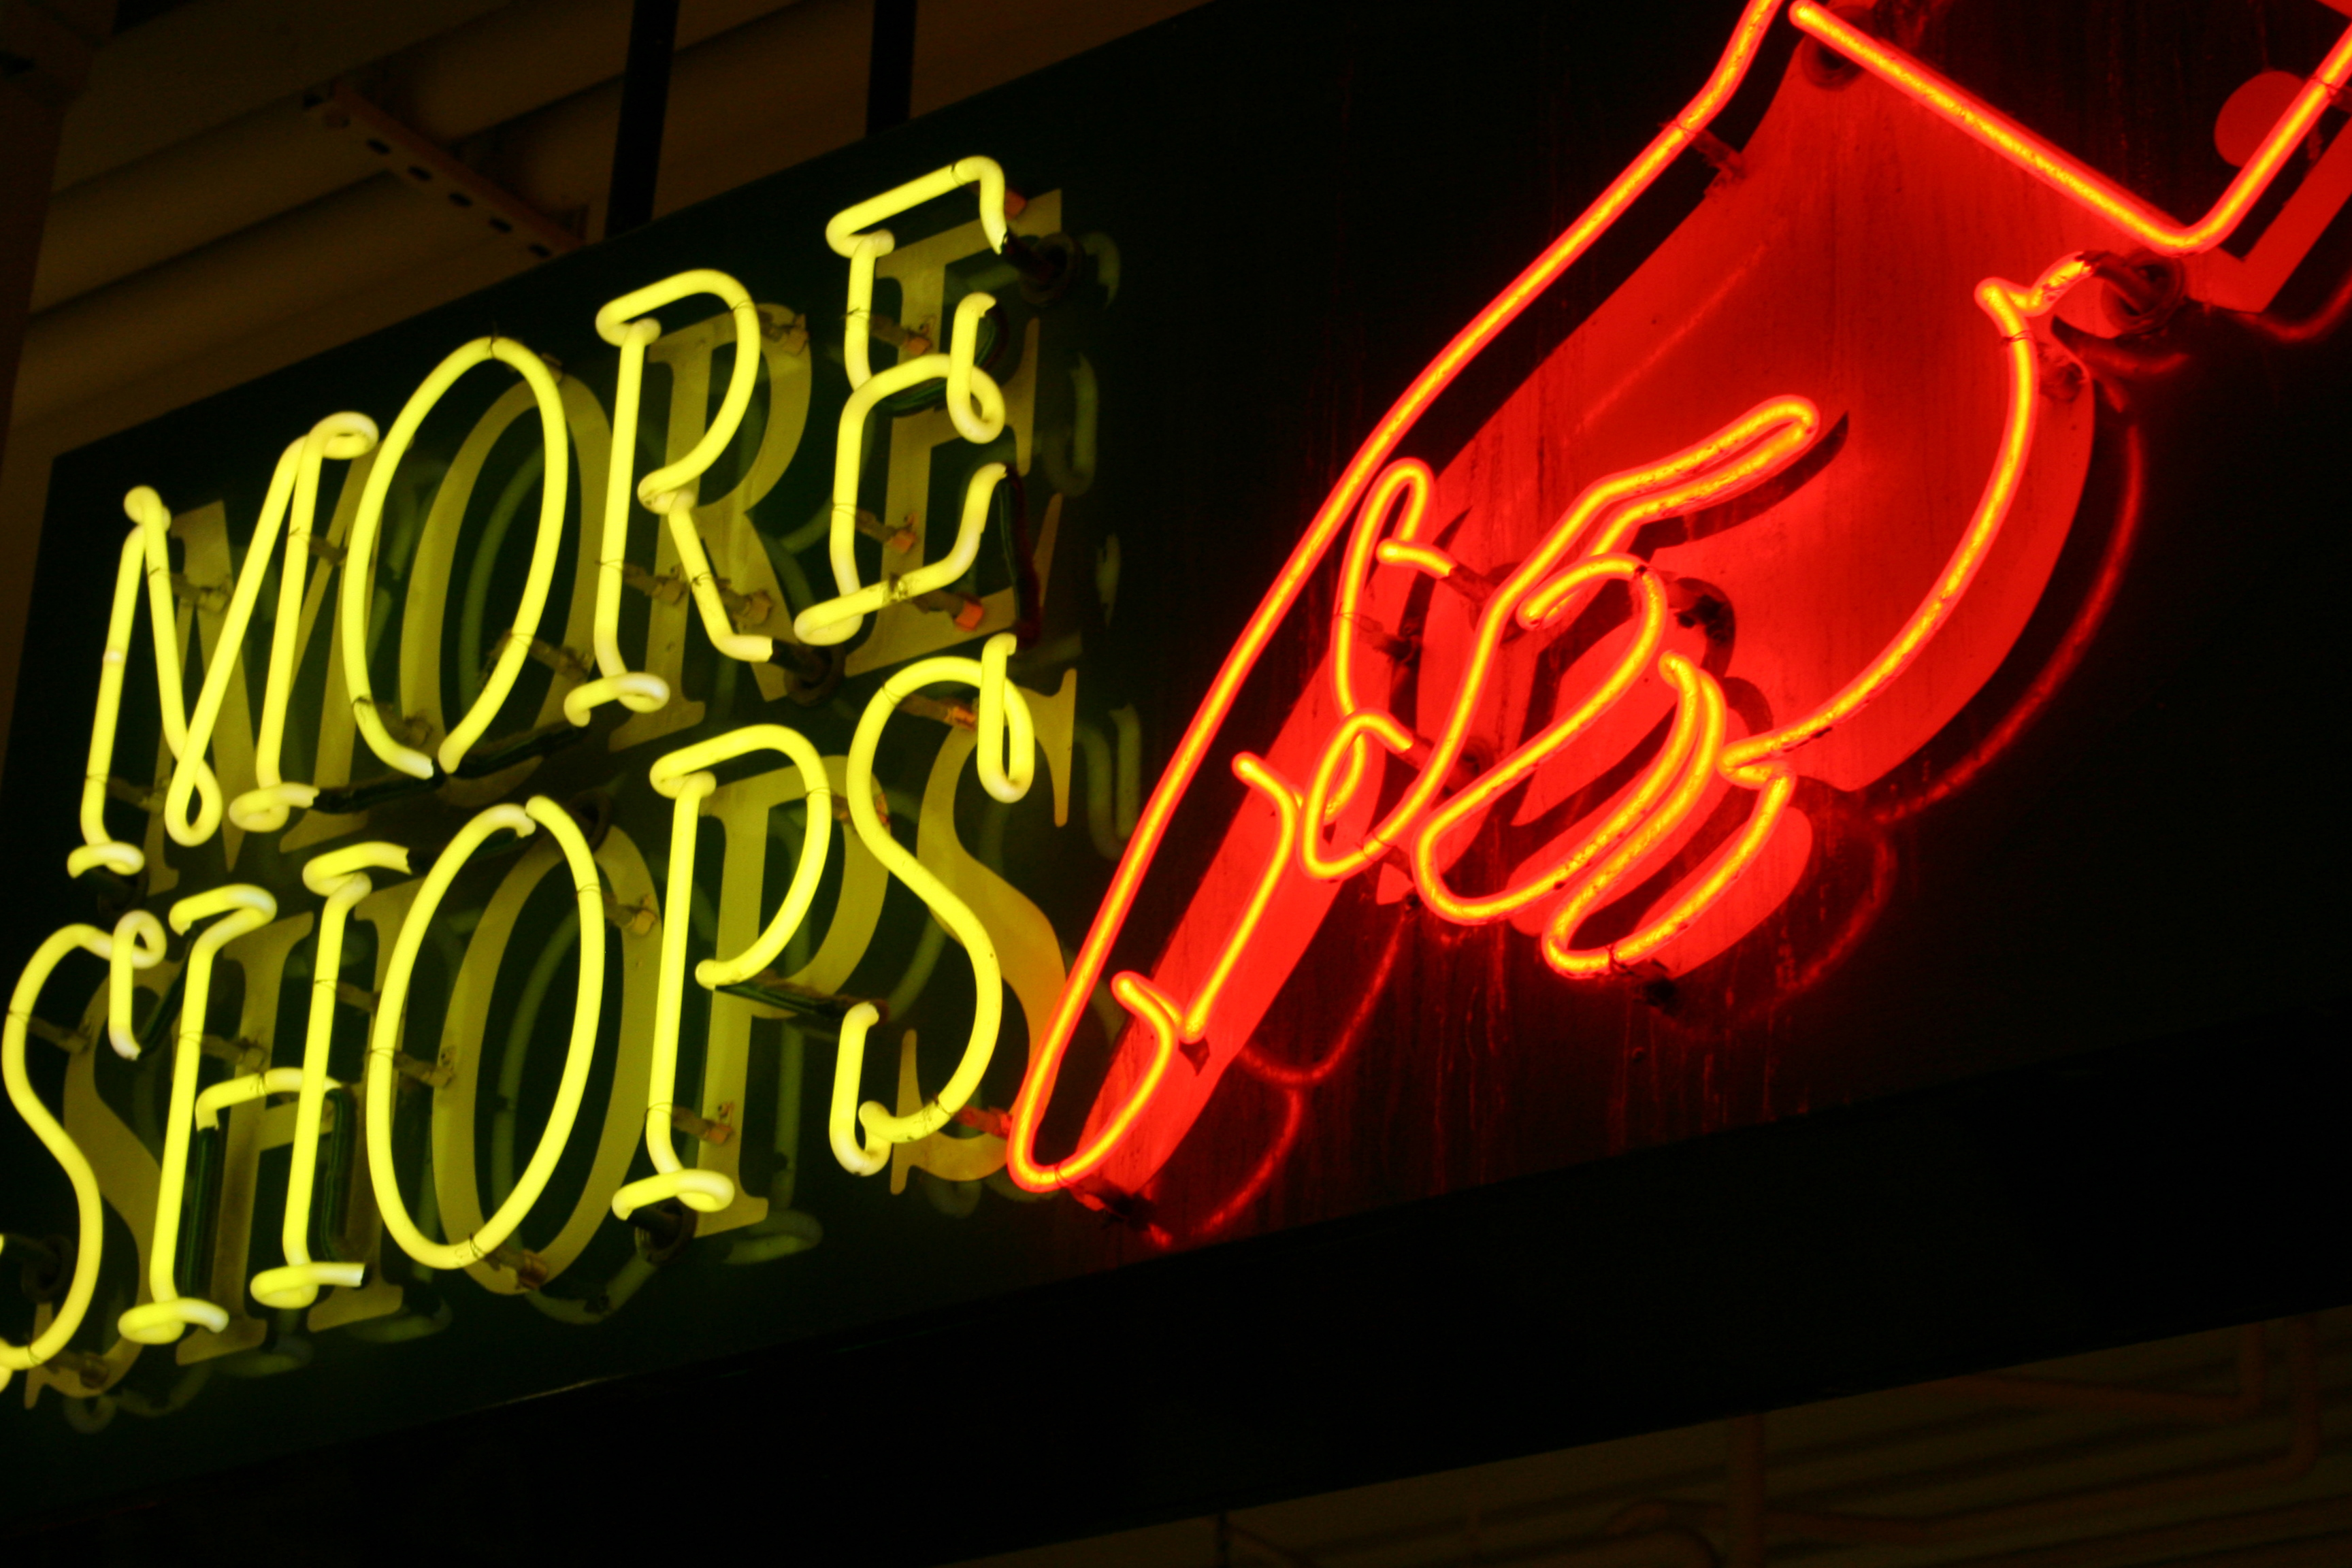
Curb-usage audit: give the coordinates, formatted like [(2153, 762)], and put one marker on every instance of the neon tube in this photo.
[(1283, 795), (841, 1117), (89, 1208), (265, 807), (147, 509), (815, 624), (100, 848), (359, 567), (138, 944), (1006, 757), (191, 773), (857, 348), (1739, 454), (1727, 868), (247, 1087), (635, 691), (704, 1192), (1420, 557), (293, 490), (2066, 174), (863, 249), (1087, 969), (1728, 865), (1407, 480), (670, 774), (667, 491), (383, 1047), (242, 908), (975, 404), (341, 875), (1552, 600), (1698, 689), (881, 1126), (2009, 306), (1147, 1003), (702, 581), (671, 488), (823, 625)]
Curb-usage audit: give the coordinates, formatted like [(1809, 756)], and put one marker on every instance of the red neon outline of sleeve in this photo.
[(1673, 139), (2067, 174), (2009, 308)]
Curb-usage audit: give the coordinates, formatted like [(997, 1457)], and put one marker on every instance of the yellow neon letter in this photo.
[(882, 1129), (977, 405), (243, 908), (681, 776), (87, 1207), (863, 249), (383, 1046), (358, 568), (264, 808), (666, 491), (341, 875)]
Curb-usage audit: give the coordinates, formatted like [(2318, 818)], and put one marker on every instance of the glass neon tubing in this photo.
[(89, 1209), (615, 682), (241, 908), (1488, 786), (1671, 140), (1698, 691), (704, 1192), (669, 776), (815, 622), (154, 520), (2011, 307), (832, 621), (881, 1126), (1283, 795), (667, 491), (384, 1046), (1007, 750), (358, 568), (1728, 866), (145, 552), (2066, 174), (265, 807), (1734, 457), (235, 1091), (843, 233), (1410, 480), (192, 775), (99, 846), (341, 875), (294, 482), (138, 944)]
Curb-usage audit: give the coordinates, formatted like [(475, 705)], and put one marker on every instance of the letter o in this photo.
[(384, 1045)]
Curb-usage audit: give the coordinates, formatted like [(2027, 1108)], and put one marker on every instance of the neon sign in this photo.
[(1327, 830), (225, 773), (1401, 764)]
